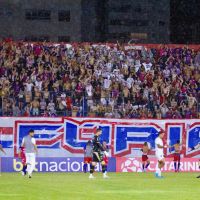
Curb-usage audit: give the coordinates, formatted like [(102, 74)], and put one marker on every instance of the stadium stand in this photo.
[(99, 80)]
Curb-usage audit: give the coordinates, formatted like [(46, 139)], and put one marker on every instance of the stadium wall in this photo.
[(61, 141)]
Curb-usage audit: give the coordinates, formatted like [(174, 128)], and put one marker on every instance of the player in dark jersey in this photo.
[(88, 153), (177, 155), (145, 160), (97, 154), (23, 159)]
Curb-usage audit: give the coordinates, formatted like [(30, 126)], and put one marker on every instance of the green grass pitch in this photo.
[(120, 186)]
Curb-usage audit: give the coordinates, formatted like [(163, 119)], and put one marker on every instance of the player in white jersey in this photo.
[(159, 154), (31, 149)]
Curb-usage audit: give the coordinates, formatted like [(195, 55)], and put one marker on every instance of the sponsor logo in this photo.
[(54, 164), (135, 165)]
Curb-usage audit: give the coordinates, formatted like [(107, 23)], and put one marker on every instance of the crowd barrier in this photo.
[(124, 45), (61, 141)]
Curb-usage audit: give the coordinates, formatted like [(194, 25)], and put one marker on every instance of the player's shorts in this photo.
[(144, 158), (87, 159), (105, 159), (177, 157), (97, 157), (160, 157)]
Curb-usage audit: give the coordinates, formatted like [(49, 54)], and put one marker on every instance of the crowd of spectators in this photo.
[(99, 81)]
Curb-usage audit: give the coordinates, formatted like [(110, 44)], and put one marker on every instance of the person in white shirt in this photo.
[(147, 65), (31, 149), (159, 147), (29, 86), (38, 83), (89, 89), (107, 83)]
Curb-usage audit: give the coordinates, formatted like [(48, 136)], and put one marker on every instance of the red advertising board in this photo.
[(124, 164)]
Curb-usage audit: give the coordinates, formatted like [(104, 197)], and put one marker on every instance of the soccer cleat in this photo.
[(23, 173), (91, 176), (157, 176), (105, 176)]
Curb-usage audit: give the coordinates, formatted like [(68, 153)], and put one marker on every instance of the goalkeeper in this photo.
[(97, 154)]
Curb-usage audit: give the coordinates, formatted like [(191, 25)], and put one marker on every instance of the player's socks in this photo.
[(103, 168), (179, 164), (28, 168), (106, 166), (91, 169), (24, 169), (159, 172), (175, 166), (85, 167), (147, 165), (143, 167), (90, 166)]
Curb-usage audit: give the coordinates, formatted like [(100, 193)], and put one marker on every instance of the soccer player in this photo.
[(159, 154), (97, 154), (105, 157), (177, 155), (31, 149), (23, 159), (145, 160), (2, 150), (87, 155)]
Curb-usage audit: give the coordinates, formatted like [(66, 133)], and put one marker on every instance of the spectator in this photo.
[(35, 107), (102, 80)]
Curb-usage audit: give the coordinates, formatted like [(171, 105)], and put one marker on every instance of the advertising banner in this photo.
[(53, 164), (63, 137), (135, 165)]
